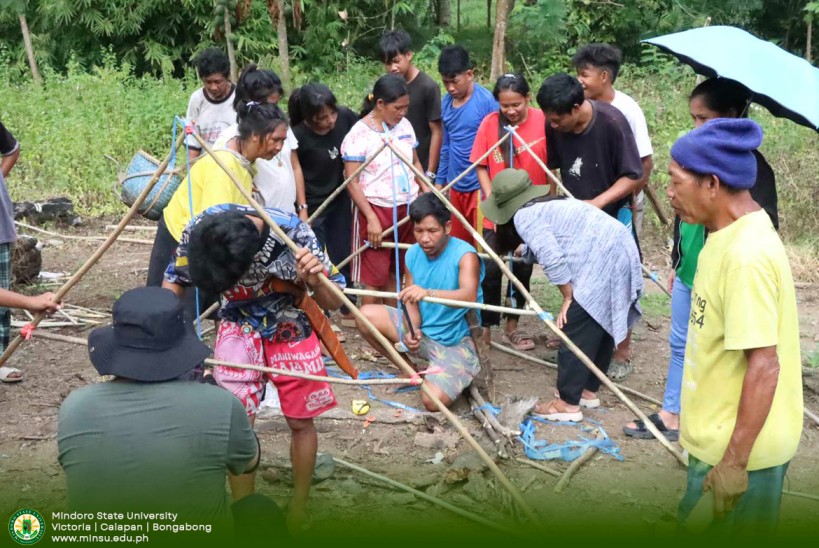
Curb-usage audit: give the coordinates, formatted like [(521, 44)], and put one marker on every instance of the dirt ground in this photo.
[(642, 490)]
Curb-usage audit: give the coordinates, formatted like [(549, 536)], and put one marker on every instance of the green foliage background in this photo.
[(117, 71)]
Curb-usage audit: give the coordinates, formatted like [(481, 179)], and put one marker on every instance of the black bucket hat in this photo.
[(149, 340)]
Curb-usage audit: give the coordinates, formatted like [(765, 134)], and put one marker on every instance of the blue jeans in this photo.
[(680, 311), (757, 512)]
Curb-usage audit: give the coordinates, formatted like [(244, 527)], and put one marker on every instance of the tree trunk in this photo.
[(444, 13), (502, 9), (808, 43), (488, 14), (281, 33), (32, 61), (234, 70)]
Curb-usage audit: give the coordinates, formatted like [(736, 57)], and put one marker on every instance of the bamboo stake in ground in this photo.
[(576, 464), (109, 241), (501, 444), (546, 317), (393, 353), (388, 231), (343, 185)]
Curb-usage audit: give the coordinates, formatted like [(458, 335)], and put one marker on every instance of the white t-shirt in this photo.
[(636, 119), (210, 118), (274, 180)]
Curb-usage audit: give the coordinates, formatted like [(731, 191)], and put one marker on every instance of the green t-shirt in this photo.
[(153, 447), (692, 238)]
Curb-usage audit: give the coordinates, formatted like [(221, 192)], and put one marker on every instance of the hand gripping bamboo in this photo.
[(394, 355), (545, 317)]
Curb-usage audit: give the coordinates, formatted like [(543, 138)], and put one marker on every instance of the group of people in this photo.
[(741, 399)]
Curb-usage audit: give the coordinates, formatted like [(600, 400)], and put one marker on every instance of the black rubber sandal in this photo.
[(641, 432)]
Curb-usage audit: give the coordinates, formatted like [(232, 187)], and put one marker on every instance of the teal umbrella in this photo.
[(785, 84)]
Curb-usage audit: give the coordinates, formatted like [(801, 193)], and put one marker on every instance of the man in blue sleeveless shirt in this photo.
[(438, 266)]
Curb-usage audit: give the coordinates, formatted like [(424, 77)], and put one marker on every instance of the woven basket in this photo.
[(136, 177)]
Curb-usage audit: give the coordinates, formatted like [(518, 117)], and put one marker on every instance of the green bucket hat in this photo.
[(511, 188)]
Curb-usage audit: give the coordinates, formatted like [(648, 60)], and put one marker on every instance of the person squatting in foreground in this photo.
[(266, 319), (442, 266)]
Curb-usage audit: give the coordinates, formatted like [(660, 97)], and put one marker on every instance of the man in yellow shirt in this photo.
[(741, 416)]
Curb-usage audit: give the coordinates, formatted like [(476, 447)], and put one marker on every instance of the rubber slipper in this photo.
[(553, 414), (6, 371), (619, 370), (519, 340), (642, 433), (553, 344)]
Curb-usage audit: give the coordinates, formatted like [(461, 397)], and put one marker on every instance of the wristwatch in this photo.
[(300, 208), (430, 175)]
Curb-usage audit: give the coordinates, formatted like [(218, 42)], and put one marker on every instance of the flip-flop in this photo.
[(519, 340), (641, 432), (6, 371), (553, 414), (553, 344), (619, 370)]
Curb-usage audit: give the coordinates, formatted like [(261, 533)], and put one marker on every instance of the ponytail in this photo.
[(389, 88), (257, 85), (259, 119)]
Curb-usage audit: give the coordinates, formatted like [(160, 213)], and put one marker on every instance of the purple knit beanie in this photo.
[(722, 147)]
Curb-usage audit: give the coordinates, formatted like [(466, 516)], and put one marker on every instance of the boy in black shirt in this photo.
[(591, 143), (395, 48)]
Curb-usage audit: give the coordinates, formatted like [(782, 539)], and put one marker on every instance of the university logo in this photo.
[(27, 526)]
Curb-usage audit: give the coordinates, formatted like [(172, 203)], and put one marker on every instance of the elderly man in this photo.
[(741, 416)]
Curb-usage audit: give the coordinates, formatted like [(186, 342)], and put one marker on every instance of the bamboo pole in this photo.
[(109, 241), (343, 185), (393, 353), (551, 365), (434, 500), (557, 181), (149, 228), (541, 467), (812, 416), (405, 220), (545, 317), (212, 362), (439, 300), (576, 464), (86, 238), (393, 245), (801, 495)]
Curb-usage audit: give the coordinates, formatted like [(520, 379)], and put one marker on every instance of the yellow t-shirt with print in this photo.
[(211, 186), (743, 298)]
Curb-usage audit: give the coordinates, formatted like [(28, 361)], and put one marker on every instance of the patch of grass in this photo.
[(812, 359), (656, 305)]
